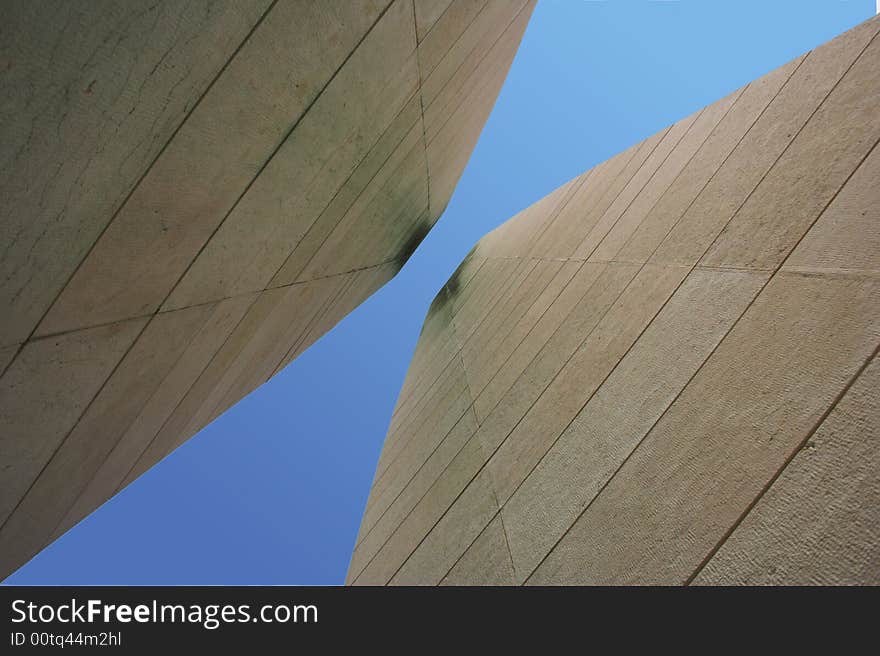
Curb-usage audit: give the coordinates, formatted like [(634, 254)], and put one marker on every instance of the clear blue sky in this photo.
[(272, 492)]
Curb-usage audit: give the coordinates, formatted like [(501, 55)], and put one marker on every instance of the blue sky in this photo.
[(272, 492)]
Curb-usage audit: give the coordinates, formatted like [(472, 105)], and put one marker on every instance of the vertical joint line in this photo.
[(422, 107)]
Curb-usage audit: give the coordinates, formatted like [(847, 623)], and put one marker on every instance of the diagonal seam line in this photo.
[(782, 469), (211, 302)]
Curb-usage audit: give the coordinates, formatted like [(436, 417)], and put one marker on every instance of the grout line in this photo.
[(210, 302), (462, 98), (422, 105)]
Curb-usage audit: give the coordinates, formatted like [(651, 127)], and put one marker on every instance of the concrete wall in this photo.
[(664, 372), (194, 192)]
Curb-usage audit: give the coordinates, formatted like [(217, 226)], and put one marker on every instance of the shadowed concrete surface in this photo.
[(665, 371), (193, 193)]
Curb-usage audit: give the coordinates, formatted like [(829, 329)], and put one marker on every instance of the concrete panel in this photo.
[(470, 46), (193, 411), (606, 431), (91, 95), (448, 88), (487, 560), (297, 309), (452, 376), (528, 320), (469, 317), (107, 418), (418, 449), (744, 414), (482, 359), (807, 177), (818, 523), (439, 24), (527, 275), (212, 159), (452, 398), (449, 150), (602, 190), (767, 139), (441, 346), (559, 349), (384, 222), (364, 284), (43, 394)]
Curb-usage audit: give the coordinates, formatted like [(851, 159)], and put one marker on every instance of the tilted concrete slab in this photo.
[(667, 368), (193, 193)]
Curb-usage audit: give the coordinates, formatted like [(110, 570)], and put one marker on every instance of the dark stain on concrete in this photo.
[(441, 304), (416, 237)]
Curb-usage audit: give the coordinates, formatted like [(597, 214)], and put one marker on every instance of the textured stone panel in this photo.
[(668, 361)]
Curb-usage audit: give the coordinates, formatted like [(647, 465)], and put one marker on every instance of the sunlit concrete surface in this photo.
[(664, 372), (192, 193)]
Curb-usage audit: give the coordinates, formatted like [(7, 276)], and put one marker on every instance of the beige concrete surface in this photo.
[(665, 371), (195, 192)]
